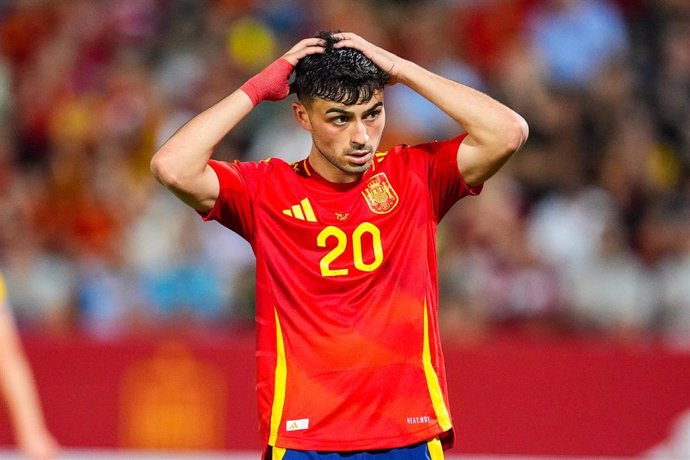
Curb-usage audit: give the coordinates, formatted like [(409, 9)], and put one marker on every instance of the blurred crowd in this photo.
[(586, 231)]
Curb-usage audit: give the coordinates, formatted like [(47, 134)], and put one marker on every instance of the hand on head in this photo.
[(387, 61), (271, 84)]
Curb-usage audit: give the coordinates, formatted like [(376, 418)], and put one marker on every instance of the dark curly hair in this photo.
[(343, 75)]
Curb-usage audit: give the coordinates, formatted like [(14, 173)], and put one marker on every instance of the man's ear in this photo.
[(300, 113)]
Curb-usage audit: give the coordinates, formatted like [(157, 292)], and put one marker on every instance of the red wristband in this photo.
[(271, 84)]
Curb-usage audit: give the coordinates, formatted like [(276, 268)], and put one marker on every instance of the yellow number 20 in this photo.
[(357, 253)]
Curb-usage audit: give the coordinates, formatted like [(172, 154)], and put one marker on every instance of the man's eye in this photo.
[(373, 115), (339, 120)]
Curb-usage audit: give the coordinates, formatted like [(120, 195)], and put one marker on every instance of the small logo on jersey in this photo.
[(296, 425), (380, 195), (301, 211), (342, 215), (417, 420)]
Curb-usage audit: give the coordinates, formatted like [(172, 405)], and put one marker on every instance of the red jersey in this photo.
[(348, 351)]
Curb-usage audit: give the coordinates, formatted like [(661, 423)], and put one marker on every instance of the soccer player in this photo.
[(18, 388), (348, 350)]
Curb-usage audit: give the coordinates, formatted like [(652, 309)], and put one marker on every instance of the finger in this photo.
[(305, 51), (295, 56), (307, 42), (349, 37)]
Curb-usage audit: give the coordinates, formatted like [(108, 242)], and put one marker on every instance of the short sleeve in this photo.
[(233, 207), (446, 184)]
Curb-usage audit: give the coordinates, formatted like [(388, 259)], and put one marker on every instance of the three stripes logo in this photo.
[(295, 425), (301, 211)]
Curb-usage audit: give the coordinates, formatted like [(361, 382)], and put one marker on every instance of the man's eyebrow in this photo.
[(338, 110), (374, 107), (349, 112)]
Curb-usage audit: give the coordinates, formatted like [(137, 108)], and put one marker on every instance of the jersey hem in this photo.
[(287, 442)]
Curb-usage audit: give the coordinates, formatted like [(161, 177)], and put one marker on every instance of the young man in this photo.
[(18, 389), (348, 350)]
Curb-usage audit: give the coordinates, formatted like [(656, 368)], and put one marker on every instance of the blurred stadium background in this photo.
[(565, 287)]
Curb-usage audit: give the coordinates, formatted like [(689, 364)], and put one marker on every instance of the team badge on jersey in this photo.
[(380, 195)]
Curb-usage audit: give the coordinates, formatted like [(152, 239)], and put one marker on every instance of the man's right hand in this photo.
[(271, 84)]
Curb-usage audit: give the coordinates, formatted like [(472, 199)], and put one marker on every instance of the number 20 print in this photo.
[(341, 245)]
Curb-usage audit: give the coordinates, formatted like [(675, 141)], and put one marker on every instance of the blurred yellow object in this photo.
[(663, 168), (251, 44)]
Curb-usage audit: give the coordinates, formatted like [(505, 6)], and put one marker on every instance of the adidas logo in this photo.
[(301, 211), (295, 425)]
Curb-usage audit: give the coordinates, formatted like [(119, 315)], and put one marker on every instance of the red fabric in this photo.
[(271, 84), (351, 318)]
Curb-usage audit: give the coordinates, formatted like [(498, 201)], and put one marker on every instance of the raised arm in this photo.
[(494, 131), (181, 163)]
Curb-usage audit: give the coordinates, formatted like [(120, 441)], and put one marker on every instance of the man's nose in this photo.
[(359, 134)]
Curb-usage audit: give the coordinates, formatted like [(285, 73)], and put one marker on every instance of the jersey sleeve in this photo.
[(233, 207), (446, 184)]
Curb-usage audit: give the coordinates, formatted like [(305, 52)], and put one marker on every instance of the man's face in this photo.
[(345, 137)]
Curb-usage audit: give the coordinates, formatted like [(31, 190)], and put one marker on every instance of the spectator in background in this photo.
[(414, 117), (18, 389), (89, 89), (675, 283), (613, 291), (490, 274), (573, 39)]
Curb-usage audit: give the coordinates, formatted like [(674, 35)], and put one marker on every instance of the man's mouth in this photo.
[(360, 157)]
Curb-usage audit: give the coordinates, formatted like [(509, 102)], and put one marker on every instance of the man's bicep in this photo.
[(471, 164), (477, 163)]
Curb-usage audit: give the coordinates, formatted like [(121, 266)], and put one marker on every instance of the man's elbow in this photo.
[(162, 169), (516, 134), (513, 135)]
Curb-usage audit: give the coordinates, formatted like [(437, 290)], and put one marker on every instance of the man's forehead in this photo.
[(325, 105)]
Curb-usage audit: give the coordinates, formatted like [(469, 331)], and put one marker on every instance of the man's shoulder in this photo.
[(406, 153), (399, 153), (265, 166)]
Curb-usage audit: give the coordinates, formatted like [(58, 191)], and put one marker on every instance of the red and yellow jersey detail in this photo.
[(3, 291), (279, 384), (348, 349), (432, 380)]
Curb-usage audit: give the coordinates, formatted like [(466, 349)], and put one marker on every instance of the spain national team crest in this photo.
[(380, 195)]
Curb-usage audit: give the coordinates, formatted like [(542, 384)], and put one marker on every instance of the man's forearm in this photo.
[(485, 119), (494, 131), (187, 152), (181, 164)]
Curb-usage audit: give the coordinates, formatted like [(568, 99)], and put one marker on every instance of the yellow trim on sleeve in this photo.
[(432, 380), (279, 385)]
